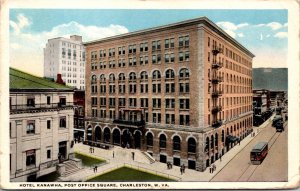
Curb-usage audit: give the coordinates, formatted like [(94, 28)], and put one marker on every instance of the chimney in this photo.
[(59, 80)]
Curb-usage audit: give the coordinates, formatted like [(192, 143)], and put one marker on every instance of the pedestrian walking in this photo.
[(113, 154), (210, 169), (132, 155), (214, 167), (181, 170), (93, 149), (96, 168), (90, 149)]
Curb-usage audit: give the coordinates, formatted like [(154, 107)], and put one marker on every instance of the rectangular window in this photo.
[(170, 88), (30, 157), (156, 103), (170, 103), (132, 102), (184, 120), (170, 118), (62, 122), (184, 103), (48, 100), (122, 102), (144, 102), (156, 117), (48, 154), (94, 101), (30, 128), (111, 102), (156, 88), (30, 102), (48, 124)]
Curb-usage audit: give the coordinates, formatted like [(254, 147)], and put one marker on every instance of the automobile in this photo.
[(279, 126), (276, 119)]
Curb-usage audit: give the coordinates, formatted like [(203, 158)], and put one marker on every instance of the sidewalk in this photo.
[(122, 156)]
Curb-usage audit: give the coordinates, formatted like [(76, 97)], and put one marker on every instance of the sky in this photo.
[(263, 32)]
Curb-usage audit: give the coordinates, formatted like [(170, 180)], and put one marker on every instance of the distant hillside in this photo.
[(270, 78)]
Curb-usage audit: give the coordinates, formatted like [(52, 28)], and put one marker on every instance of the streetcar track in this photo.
[(249, 164)]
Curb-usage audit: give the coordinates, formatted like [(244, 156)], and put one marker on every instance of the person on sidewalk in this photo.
[(181, 170), (210, 169), (96, 168), (90, 149), (214, 167), (132, 155), (113, 154)]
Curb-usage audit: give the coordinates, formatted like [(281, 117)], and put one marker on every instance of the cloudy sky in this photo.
[(263, 32)]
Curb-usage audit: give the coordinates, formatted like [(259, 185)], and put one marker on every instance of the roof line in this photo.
[(203, 19)]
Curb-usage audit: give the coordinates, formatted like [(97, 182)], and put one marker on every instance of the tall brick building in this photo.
[(181, 92)]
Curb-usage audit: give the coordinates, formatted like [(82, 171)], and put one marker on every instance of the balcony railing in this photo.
[(216, 79), (217, 65), (216, 109), (216, 93), (217, 123), (26, 107), (217, 50), (129, 123)]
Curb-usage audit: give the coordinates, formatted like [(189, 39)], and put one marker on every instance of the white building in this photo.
[(41, 126), (66, 57)]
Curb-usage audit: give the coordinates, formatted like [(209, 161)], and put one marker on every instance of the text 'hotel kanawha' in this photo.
[(180, 92)]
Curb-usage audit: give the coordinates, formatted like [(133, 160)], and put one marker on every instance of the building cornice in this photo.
[(201, 20)]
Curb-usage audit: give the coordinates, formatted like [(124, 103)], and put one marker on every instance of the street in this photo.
[(273, 168)]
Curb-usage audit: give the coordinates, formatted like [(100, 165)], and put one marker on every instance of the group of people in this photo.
[(95, 168), (169, 165), (212, 168), (92, 149)]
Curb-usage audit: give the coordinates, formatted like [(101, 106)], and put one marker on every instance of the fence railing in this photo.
[(19, 107)]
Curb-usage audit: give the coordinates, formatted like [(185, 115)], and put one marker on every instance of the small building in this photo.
[(41, 126)]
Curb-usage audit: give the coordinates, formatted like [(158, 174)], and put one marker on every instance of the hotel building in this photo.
[(41, 126), (181, 92), (66, 58)]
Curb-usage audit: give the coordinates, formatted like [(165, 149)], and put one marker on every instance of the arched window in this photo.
[(156, 75), (170, 74), (97, 134), (207, 144), (216, 140), (184, 73), (111, 77), (102, 78), (212, 141), (116, 137), (162, 141), (149, 139), (106, 135), (176, 143), (144, 75), (132, 76), (121, 76), (192, 145), (94, 79)]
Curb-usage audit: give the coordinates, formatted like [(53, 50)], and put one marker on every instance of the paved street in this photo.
[(273, 168)]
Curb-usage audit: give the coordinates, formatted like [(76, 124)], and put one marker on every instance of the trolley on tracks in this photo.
[(259, 153)]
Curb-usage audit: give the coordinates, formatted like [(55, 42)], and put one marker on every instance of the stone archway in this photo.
[(137, 140), (106, 135)]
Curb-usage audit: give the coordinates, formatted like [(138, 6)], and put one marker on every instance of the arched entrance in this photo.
[(137, 139), (107, 135), (116, 137), (126, 138), (97, 134)]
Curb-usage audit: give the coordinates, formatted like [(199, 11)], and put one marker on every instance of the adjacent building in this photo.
[(65, 58), (181, 92), (41, 126), (79, 103)]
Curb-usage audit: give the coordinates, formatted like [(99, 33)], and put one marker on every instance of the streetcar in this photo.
[(259, 153)]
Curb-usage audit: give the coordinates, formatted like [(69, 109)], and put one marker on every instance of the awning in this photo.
[(89, 134)]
